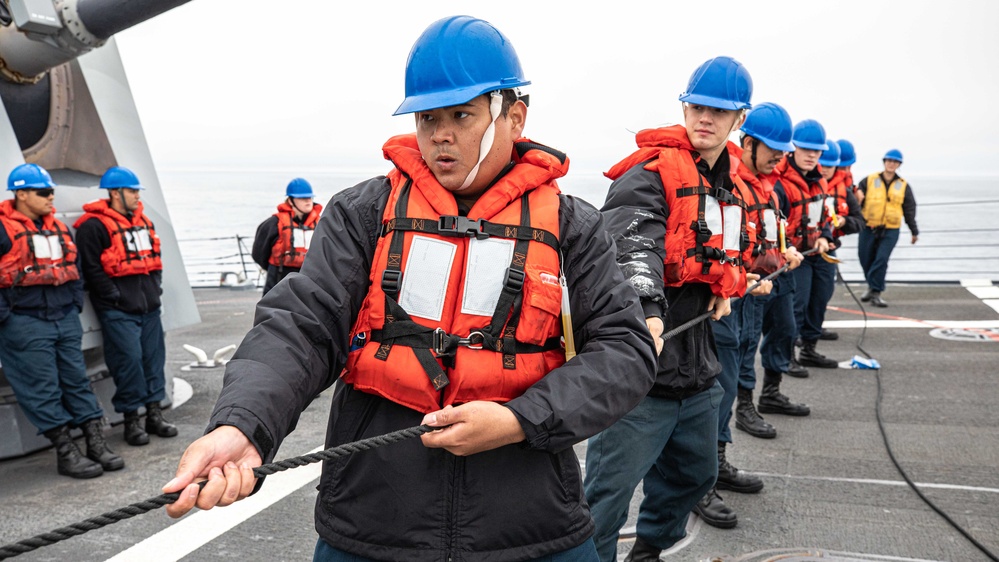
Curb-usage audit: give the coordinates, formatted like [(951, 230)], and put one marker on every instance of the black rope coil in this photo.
[(129, 511)]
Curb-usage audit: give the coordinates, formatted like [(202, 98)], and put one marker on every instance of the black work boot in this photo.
[(643, 552), (808, 356), (748, 420), (97, 448), (155, 424), (69, 461), (796, 370), (714, 512), (773, 402), (134, 434), (868, 294), (731, 478), (877, 301), (828, 335)]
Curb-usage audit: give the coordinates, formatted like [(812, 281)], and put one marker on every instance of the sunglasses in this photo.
[(44, 192)]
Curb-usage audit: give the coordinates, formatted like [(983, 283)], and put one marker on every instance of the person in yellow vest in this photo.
[(439, 293), (282, 240), (888, 199)]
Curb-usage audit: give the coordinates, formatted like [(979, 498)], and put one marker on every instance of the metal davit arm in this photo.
[(104, 18)]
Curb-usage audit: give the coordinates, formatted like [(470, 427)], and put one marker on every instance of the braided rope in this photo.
[(129, 511)]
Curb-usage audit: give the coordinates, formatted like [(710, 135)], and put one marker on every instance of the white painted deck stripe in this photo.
[(924, 324), (201, 527), (922, 485), (983, 289)]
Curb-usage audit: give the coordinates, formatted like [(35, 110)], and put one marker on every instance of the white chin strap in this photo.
[(495, 106)]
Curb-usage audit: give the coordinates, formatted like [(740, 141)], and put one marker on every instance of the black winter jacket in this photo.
[(636, 213), (406, 502)]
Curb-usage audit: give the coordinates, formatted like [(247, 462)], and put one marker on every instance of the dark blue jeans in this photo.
[(669, 445), (135, 352), (778, 325), (874, 249), (814, 282), (43, 362), (582, 553)]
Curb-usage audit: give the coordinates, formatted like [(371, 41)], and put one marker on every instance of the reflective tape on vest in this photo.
[(47, 246), (770, 225), (485, 271)]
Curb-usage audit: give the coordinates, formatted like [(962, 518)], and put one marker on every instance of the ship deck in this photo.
[(832, 492)]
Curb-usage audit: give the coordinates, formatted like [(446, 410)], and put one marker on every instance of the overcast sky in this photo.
[(307, 84)]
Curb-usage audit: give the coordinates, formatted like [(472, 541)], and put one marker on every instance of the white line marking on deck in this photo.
[(922, 485), (983, 289), (984, 324), (201, 527)]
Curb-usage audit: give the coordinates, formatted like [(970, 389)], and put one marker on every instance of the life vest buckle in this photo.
[(445, 344), (461, 226), (391, 281), (514, 279)]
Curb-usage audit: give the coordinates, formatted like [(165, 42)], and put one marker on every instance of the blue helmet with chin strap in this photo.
[(721, 82), (29, 176), (830, 156), (298, 188), (770, 124), (893, 154), (457, 59), (847, 154), (810, 135)]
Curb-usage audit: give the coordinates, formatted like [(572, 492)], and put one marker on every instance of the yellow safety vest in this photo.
[(883, 206)]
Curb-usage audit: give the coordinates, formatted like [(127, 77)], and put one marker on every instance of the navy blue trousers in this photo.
[(874, 249), (815, 281), (736, 338), (135, 352), (671, 446), (43, 362), (778, 325)]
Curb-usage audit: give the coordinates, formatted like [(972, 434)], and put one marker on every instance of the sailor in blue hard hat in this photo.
[(441, 294), (888, 201), (283, 239)]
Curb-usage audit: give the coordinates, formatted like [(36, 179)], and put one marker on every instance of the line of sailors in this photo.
[(42, 276)]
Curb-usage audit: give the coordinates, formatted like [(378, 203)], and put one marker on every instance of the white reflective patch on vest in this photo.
[(47, 247), (814, 213), (424, 283), (713, 215), (137, 240), (770, 225), (301, 238), (485, 271), (733, 227)]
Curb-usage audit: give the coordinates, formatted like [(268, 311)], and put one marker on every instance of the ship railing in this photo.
[(221, 261)]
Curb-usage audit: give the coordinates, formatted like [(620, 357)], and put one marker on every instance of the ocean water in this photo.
[(958, 220)]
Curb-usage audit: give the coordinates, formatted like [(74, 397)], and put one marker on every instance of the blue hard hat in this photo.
[(771, 124), (117, 177), (809, 134), (847, 155), (456, 59), (299, 189), (830, 156), (721, 82), (893, 154), (29, 176)]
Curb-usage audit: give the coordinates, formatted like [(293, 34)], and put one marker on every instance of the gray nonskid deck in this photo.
[(831, 492)]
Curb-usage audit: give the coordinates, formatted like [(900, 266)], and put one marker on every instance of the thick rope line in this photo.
[(122, 513), (691, 323)]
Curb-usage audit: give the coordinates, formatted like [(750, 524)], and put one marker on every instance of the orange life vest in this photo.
[(764, 213), (135, 247), (706, 231), (293, 238), (462, 308), (38, 256), (807, 200), (837, 189)]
